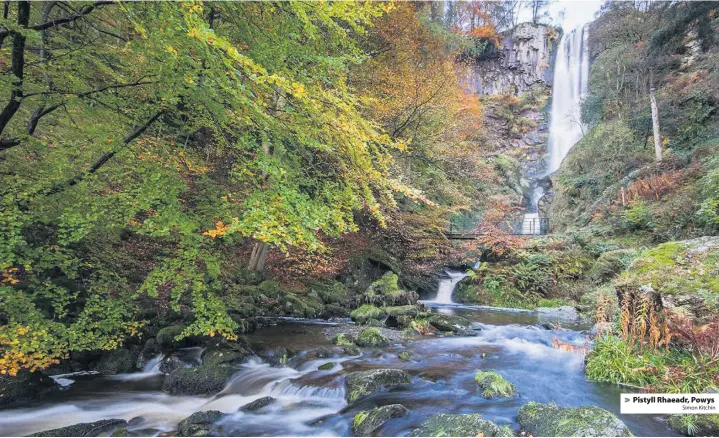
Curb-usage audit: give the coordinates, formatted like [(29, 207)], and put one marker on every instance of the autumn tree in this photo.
[(176, 129)]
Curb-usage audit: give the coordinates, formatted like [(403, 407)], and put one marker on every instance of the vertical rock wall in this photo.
[(514, 82)]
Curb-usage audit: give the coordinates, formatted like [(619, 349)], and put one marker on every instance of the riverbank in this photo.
[(312, 401)]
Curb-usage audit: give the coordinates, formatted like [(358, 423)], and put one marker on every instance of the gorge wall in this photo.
[(514, 82)]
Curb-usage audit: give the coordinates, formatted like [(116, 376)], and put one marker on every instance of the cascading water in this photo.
[(446, 287), (571, 73)]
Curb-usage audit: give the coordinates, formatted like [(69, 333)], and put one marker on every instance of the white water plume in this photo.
[(571, 73)]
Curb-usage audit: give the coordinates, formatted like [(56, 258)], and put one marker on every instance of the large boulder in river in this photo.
[(362, 383), (541, 419), (386, 292), (24, 387), (202, 380), (166, 338), (683, 276), (117, 361), (365, 422), (450, 323), (222, 352), (460, 425), (198, 424), (96, 428), (372, 337)]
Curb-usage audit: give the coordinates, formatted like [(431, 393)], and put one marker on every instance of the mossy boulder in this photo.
[(24, 387), (685, 274), (367, 312), (198, 424), (202, 380), (408, 310), (352, 350), (225, 353), (386, 292), (326, 366), (96, 428), (343, 340), (277, 357), (460, 425), (405, 357), (363, 383), (610, 264), (366, 422), (695, 425), (257, 404), (372, 337), (493, 385), (540, 419), (150, 350), (449, 323), (117, 361), (166, 338)]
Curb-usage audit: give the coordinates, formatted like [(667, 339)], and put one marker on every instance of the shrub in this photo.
[(637, 217)]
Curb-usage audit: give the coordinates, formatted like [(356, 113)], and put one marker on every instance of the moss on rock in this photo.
[(386, 292), (363, 383), (202, 380), (372, 337), (367, 312), (343, 340), (684, 273), (540, 419), (493, 385), (199, 423), (473, 425), (449, 323), (366, 422)]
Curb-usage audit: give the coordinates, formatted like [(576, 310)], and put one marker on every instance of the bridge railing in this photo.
[(528, 226)]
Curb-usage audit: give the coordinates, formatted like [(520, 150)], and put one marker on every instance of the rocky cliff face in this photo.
[(525, 58), (514, 82)]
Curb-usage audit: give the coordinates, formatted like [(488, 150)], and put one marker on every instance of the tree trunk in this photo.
[(258, 257), (655, 125)]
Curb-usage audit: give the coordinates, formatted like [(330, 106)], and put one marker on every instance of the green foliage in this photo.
[(638, 217), (612, 360), (173, 133)]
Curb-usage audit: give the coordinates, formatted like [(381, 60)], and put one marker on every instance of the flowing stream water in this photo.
[(446, 287), (312, 402)]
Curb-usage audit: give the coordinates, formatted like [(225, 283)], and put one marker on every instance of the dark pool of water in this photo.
[(311, 402)]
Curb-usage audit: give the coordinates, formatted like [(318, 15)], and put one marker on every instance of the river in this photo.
[(311, 402)]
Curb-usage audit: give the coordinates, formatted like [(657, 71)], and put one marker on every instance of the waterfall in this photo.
[(571, 73), (446, 287)]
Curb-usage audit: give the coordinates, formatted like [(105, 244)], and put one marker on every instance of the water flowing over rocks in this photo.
[(540, 419)]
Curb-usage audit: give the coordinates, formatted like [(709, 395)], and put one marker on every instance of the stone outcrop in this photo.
[(542, 419), (525, 57)]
